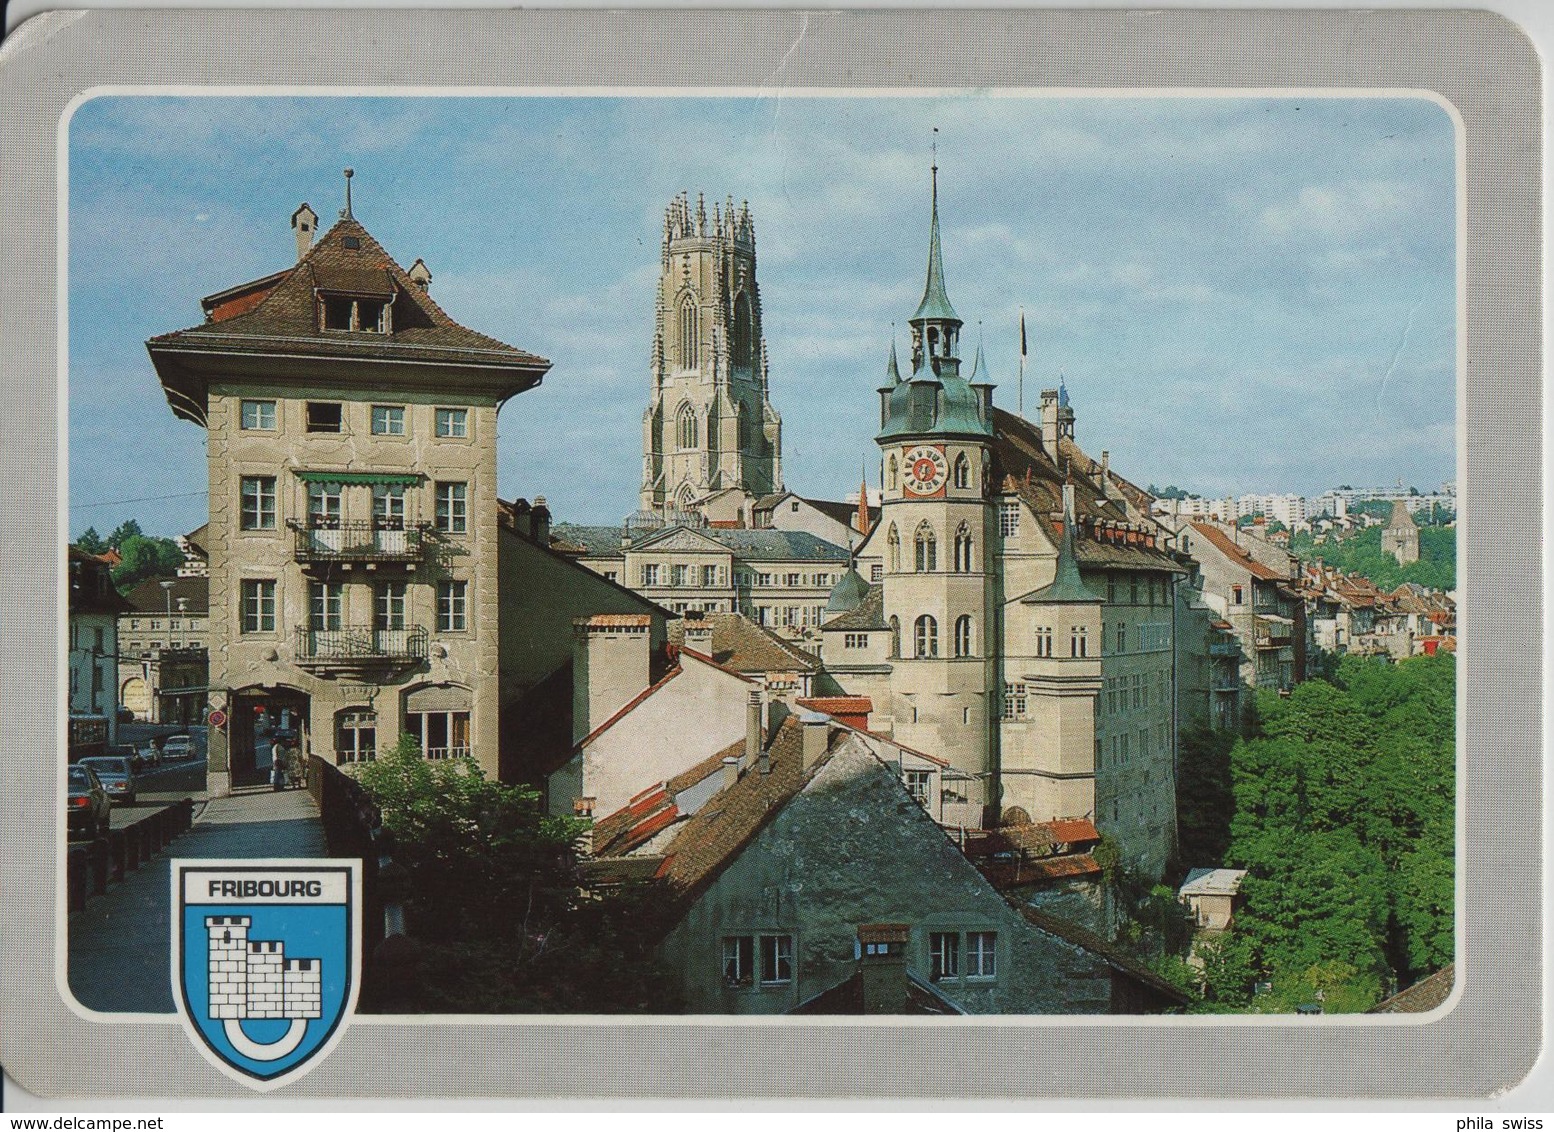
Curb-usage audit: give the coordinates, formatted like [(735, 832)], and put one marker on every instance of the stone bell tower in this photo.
[(710, 429)]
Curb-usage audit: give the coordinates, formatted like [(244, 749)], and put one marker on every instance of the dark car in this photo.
[(129, 751), (125, 715), (86, 803), (116, 774)]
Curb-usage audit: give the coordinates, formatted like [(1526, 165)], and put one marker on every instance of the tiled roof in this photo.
[(742, 645), (1423, 996), (148, 596), (1072, 830), (1226, 545), (837, 705), (869, 613), (757, 545), (592, 541), (1213, 882), (1115, 957), (1037, 870)]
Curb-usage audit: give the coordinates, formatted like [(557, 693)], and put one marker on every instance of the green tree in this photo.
[(142, 557), (1205, 798), (90, 541), (494, 900), (125, 530)]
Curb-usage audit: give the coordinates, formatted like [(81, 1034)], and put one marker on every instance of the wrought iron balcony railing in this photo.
[(360, 644), (358, 540)]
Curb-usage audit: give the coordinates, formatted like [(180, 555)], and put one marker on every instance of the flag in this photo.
[(1022, 335)]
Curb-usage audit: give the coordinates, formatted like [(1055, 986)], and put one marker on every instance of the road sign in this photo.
[(218, 718)]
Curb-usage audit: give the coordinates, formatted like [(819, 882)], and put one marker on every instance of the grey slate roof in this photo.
[(848, 593), (763, 545), (868, 614)]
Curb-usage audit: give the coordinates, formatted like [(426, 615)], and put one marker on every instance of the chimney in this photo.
[(304, 222), (730, 772), (755, 747), (882, 967), (1106, 466), (1049, 422), (610, 657), (420, 275), (698, 632), (817, 736), (539, 521)]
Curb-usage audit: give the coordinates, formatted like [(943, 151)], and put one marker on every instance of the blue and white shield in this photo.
[(266, 961)]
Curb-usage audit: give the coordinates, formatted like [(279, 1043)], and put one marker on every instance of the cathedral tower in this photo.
[(711, 441), (936, 529)]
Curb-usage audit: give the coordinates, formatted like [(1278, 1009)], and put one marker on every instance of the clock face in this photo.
[(926, 470)]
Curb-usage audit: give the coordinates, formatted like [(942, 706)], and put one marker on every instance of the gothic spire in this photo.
[(935, 304), (892, 370), (1067, 587)]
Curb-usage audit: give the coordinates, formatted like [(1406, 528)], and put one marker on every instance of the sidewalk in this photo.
[(119, 944)]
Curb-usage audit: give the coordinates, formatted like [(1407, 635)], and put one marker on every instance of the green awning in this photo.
[(359, 477)]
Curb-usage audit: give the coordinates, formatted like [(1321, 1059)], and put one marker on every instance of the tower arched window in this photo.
[(963, 549), (690, 333), (686, 432), (927, 548), (893, 547), (927, 637), (963, 635), (890, 473), (895, 638), (742, 331), (961, 475)]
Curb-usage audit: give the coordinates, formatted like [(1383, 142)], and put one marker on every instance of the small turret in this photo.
[(304, 222)]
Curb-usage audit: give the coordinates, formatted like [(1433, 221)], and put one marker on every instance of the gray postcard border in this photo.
[(1477, 61)]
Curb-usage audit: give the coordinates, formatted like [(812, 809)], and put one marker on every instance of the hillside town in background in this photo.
[(935, 745)]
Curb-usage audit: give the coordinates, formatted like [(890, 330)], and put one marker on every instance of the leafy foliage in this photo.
[(143, 557), (493, 896), (1342, 815), (1361, 553)]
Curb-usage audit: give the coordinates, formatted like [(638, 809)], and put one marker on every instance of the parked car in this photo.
[(151, 754), (116, 774), (86, 803), (177, 748), (129, 751)]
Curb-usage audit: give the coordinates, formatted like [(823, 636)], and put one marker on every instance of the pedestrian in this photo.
[(277, 767), (296, 766)]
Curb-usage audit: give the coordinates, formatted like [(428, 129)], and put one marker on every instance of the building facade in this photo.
[(92, 643), (1023, 626), (352, 544), (164, 658), (711, 441)]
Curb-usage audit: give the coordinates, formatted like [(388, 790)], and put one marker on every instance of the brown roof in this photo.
[(284, 321), (838, 705), (1227, 546), (742, 645), (1115, 957), (1423, 996), (1038, 870), (148, 596), (1070, 830)]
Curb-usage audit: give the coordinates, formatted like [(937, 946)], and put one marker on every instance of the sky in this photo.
[(1240, 294)]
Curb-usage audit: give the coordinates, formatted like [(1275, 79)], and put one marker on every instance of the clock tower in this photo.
[(937, 531)]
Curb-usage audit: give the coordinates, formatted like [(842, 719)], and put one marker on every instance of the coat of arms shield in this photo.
[(266, 961)]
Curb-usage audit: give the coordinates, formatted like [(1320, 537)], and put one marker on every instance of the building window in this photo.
[(326, 603), (1078, 641), (452, 516), (1136, 693), (763, 579), (441, 734), (690, 334), (686, 434), (390, 613), (258, 509), (1122, 636), (324, 416), (709, 576), (794, 580), (677, 574), (980, 948), (855, 640), (963, 549), (895, 637), (356, 737), (776, 959), (926, 549), (927, 637), (388, 505), (453, 423), (650, 573), (341, 312), (1009, 518), (738, 960), (876, 572), (324, 506), (963, 635), (258, 416), (258, 598), (1111, 589), (918, 783), (1236, 595), (452, 606), (388, 420), (944, 955), (1014, 701), (961, 476), (893, 546), (1044, 640), (1133, 588)]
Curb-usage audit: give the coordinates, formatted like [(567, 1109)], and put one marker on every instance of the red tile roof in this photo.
[(1227, 546), (838, 705), (1070, 830)]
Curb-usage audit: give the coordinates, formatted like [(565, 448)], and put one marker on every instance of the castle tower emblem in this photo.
[(266, 961)]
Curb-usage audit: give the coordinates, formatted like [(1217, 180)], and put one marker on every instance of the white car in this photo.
[(178, 748)]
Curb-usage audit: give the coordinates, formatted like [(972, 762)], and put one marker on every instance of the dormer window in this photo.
[(359, 313)]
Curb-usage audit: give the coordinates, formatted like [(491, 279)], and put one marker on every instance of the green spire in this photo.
[(935, 304), (893, 371), (1067, 587)]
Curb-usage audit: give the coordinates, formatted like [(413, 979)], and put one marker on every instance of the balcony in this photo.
[(370, 542), (359, 646), (1224, 648)]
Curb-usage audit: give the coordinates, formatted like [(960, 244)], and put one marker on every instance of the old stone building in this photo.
[(350, 429), (1014, 608), (711, 441), (1400, 537), (164, 658)]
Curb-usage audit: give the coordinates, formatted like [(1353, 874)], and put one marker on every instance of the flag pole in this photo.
[(1020, 394)]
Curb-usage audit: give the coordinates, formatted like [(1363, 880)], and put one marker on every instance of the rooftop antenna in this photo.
[(345, 213)]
